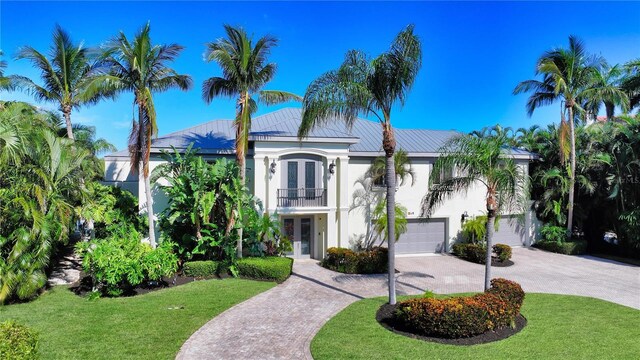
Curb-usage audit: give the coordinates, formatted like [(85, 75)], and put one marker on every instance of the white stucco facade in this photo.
[(310, 185)]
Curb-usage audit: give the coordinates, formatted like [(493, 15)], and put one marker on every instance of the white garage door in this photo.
[(510, 231), (422, 237)]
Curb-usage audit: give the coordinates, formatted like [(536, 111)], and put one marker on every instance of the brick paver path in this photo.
[(280, 323)]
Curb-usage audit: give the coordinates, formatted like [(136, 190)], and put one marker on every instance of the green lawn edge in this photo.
[(559, 327), (149, 326)]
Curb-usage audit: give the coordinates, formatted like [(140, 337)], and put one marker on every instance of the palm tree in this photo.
[(65, 76), (606, 89), (6, 83), (403, 168), (245, 71), (368, 87), (566, 75), (479, 161), (141, 67), (631, 82)]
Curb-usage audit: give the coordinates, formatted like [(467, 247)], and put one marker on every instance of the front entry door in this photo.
[(299, 231)]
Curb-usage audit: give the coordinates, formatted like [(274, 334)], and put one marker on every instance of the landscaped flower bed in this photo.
[(373, 261), (460, 317)]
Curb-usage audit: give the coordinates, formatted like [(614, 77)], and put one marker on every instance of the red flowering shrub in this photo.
[(463, 316)]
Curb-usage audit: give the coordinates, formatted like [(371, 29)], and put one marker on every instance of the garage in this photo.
[(422, 237), (510, 231)]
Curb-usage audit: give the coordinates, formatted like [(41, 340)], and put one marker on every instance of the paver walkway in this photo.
[(281, 322)]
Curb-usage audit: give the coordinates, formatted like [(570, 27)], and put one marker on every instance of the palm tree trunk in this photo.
[(66, 112), (491, 219), (389, 146), (147, 190), (610, 107), (241, 158), (144, 149), (572, 176)]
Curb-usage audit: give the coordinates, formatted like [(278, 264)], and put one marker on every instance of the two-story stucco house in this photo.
[(310, 183)]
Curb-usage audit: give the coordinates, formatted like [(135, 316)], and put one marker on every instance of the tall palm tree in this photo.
[(6, 82), (606, 89), (65, 76), (566, 75), (368, 87), (631, 82), (245, 71), (140, 67), (479, 161)]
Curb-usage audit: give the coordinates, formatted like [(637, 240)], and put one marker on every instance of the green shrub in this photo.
[(374, 261), (568, 248), (502, 251), (17, 342), (201, 268), (553, 233), (470, 252), (465, 316), (265, 268), (122, 261)]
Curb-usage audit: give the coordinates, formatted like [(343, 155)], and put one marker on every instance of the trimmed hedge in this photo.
[(265, 268), (201, 268), (477, 254), (471, 252), (567, 248), (374, 261), (466, 316), (17, 342), (502, 251)]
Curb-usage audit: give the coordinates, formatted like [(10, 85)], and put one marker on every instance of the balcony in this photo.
[(302, 197)]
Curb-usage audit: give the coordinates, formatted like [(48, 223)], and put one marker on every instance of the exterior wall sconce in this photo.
[(272, 167), (464, 217), (332, 167)]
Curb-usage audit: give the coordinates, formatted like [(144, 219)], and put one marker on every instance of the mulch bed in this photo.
[(497, 263), (83, 287), (385, 317)]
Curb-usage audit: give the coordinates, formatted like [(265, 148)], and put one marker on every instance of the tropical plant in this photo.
[(380, 222), (202, 203), (6, 82), (36, 203), (140, 67), (566, 75), (403, 169), (605, 88), (475, 230), (122, 261), (370, 87), (66, 76), (631, 82), (245, 71), (480, 161)]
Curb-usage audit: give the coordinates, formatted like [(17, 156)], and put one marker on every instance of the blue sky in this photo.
[(474, 52)]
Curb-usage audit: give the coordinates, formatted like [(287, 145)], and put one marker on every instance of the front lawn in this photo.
[(150, 326), (559, 327)]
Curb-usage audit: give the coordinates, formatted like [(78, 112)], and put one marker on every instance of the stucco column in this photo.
[(332, 203), (261, 180), (273, 181), (343, 201)]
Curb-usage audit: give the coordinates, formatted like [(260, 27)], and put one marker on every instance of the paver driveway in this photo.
[(280, 323)]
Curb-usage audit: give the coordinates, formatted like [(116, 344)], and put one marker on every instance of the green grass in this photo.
[(141, 327), (559, 327)]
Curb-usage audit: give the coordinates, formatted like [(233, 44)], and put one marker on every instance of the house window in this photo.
[(380, 181), (444, 176)]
